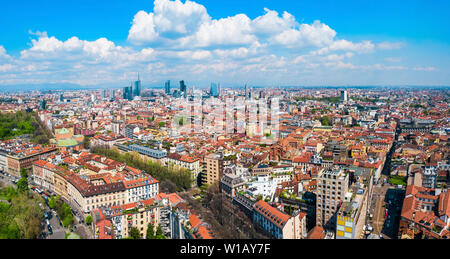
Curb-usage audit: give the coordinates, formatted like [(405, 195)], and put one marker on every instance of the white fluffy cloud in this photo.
[(3, 54), (317, 35), (169, 19), (143, 28), (235, 30), (345, 45), (240, 53), (189, 25), (181, 40), (271, 23), (185, 55), (101, 50), (424, 68), (390, 45), (6, 67)]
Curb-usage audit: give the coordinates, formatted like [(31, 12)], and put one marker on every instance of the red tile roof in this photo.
[(274, 215), (316, 233)]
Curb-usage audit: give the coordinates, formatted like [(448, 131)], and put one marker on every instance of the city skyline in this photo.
[(264, 43)]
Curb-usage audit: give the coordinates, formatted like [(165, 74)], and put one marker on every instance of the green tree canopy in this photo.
[(22, 185), (150, 231), (159, 234), (134, 233), (23, 173), (88, 220)]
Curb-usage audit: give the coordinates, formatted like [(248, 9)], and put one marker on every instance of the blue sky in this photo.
[(262, 42)]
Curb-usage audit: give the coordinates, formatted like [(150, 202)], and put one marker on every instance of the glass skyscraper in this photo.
[(183, 89), (182, 86), (43, 104), (137, 87), (214, 91), (112, 95), (167, 87), (128, 93)]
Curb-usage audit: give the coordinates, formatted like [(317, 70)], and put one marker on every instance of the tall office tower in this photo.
[(61, 97), (124, 92), (183, 89), (344, 95), (214, 90), (182, 86), (128, 93), (112, 95), (137, 87), (332, 186), (219, 90), (167, 87), (247, 92), (43, 104), (92, 98)]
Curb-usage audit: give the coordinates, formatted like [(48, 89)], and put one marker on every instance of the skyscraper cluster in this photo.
[(129, 92)]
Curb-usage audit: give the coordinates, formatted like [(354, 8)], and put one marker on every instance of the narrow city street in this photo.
[(82, 229), (378, 205), (58, 230), (7, 180), (379, 210)]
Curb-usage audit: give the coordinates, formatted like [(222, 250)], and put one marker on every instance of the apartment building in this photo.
[(142, 188), (88, 197), (121, 218), (351, 215), (332, 186), (282, 174), (19, 159), (231, 184), (43, 174), (277, 224), (94, 182), (187, 162), (425, 214), (168, 201), (213, 168)]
